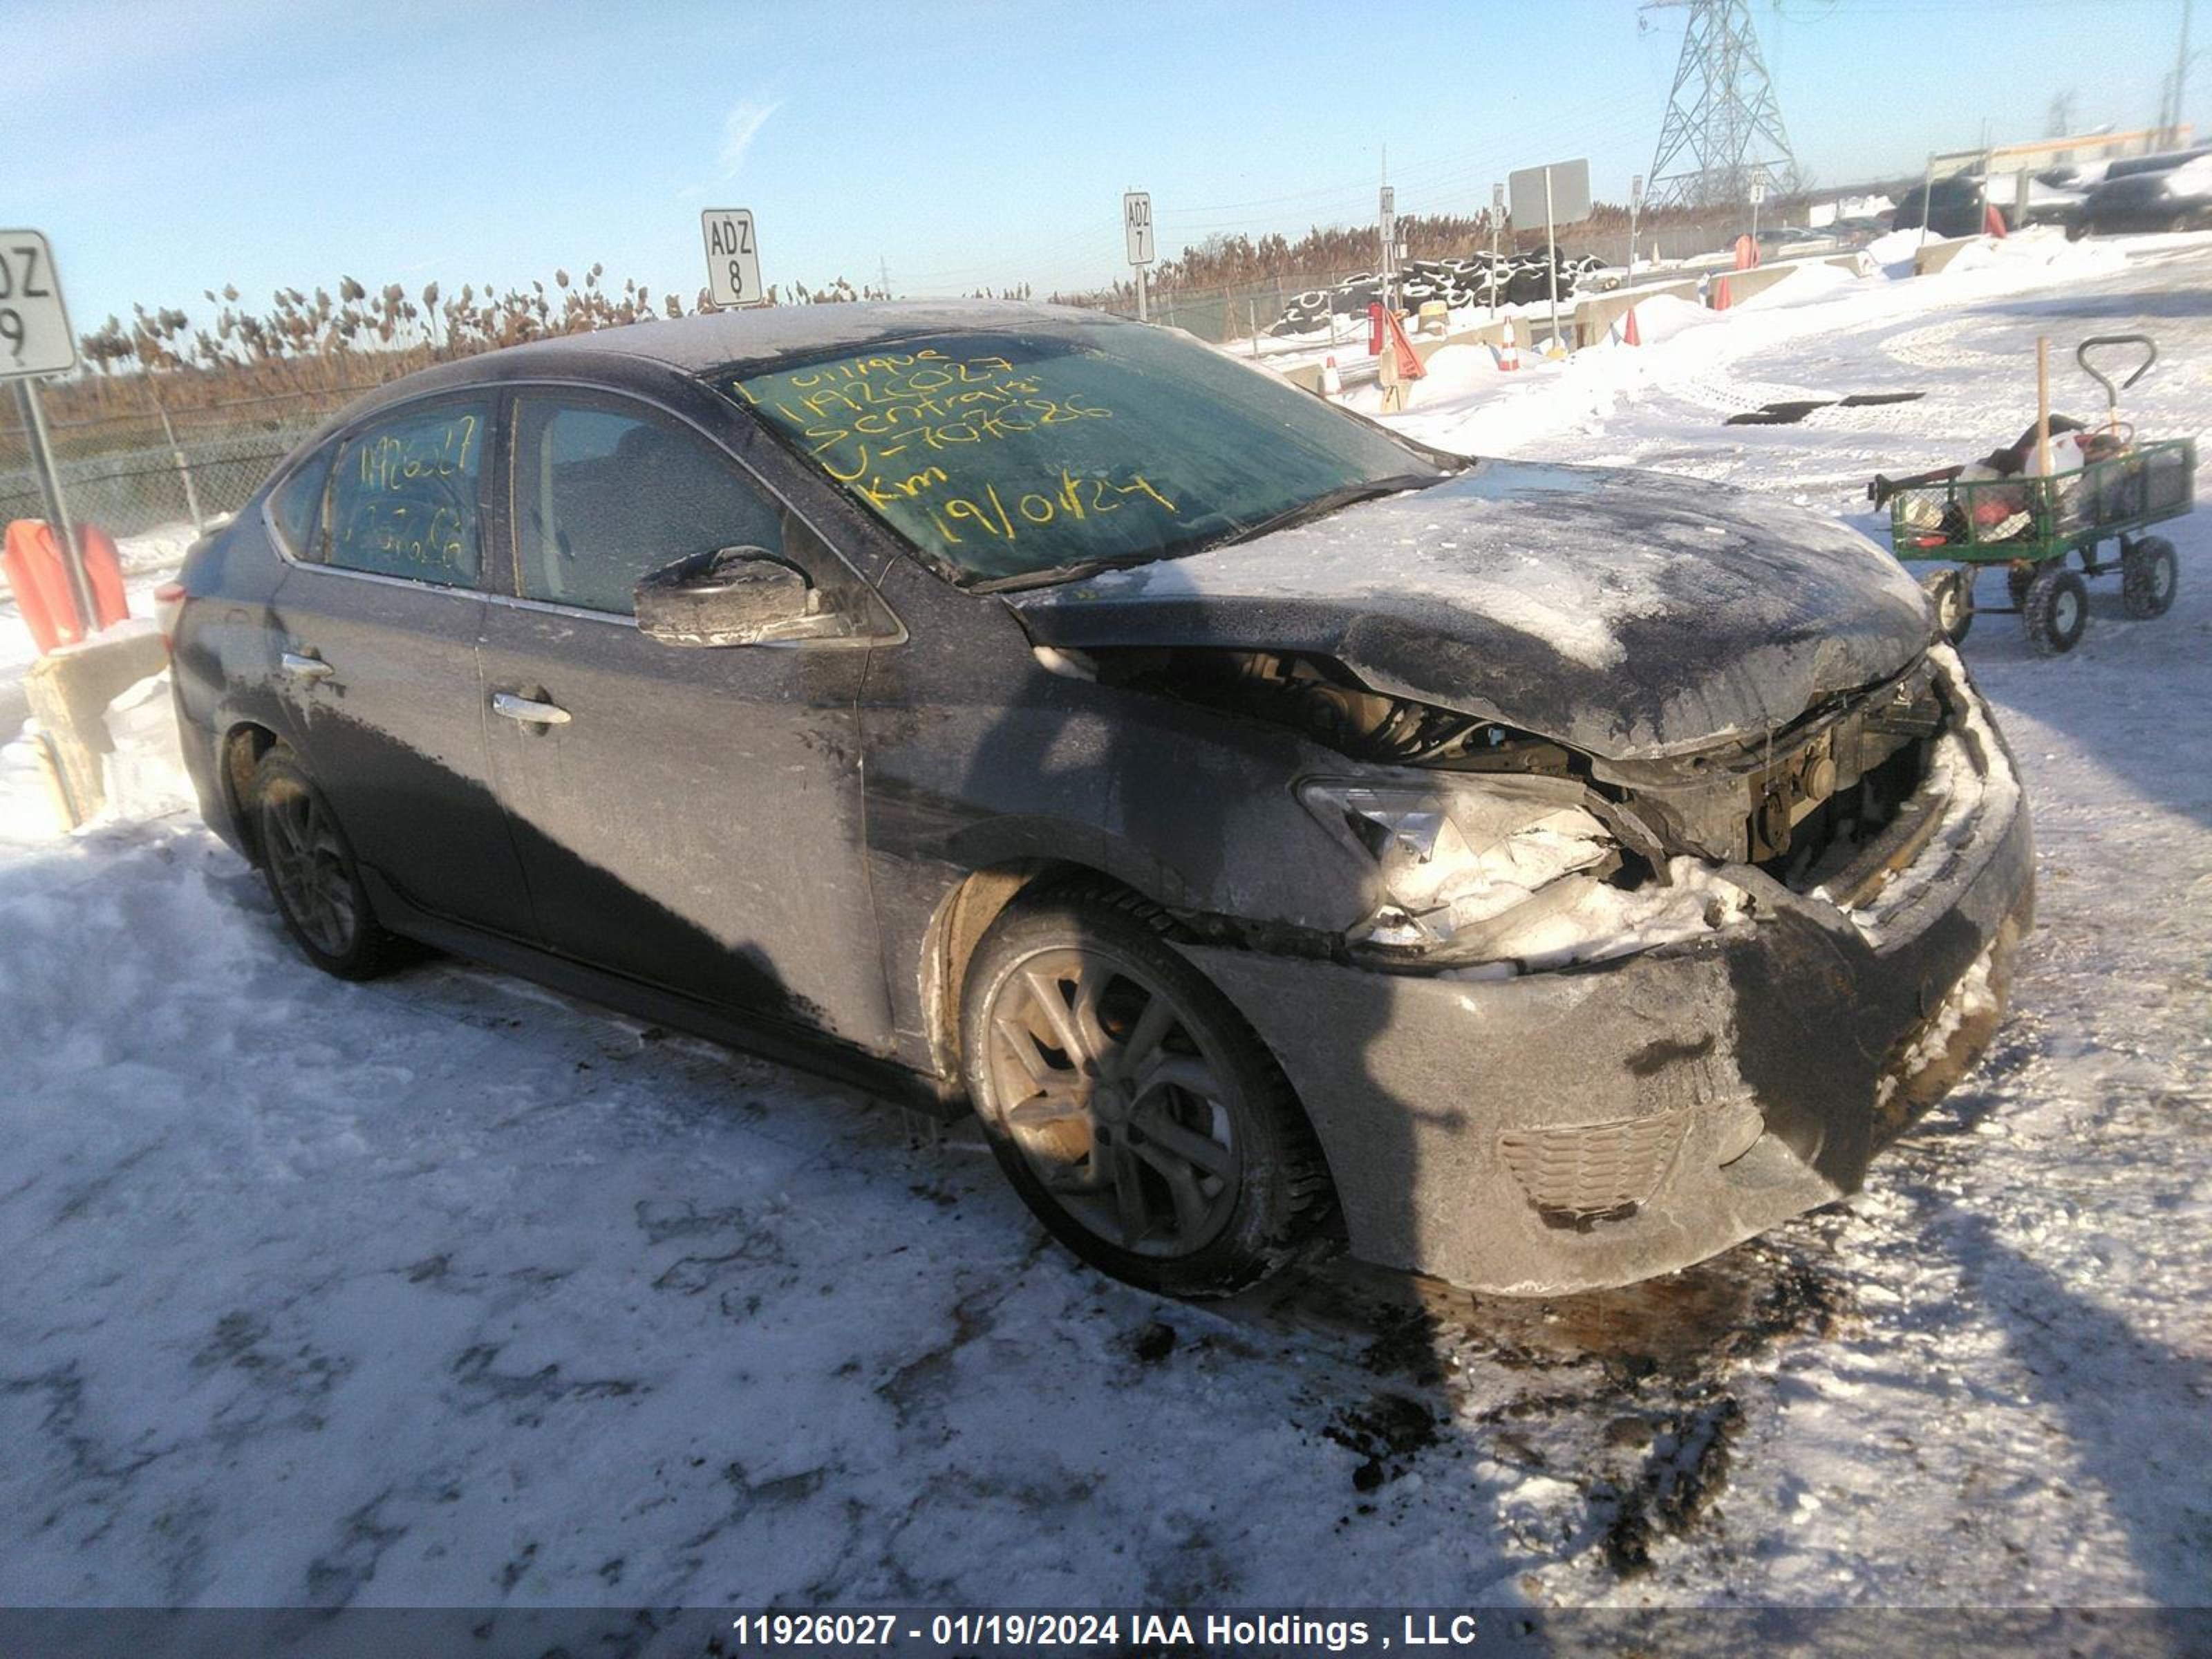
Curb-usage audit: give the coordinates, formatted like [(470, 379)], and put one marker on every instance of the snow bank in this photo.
[(1896, 252)]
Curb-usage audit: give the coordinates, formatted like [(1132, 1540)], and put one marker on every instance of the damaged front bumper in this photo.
[(1597, 1125)]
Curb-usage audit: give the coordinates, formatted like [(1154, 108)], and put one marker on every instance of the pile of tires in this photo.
[(1521, 279)]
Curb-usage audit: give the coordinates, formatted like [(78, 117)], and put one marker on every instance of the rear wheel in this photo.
[(1951, 593), (2056, 610), (2148, 575), (313, 876), (1134, 1110)]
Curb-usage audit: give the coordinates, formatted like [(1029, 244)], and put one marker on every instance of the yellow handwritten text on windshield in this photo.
[(895, 428)]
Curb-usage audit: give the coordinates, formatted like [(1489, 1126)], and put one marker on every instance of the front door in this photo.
[(688, 816), (376, 625)]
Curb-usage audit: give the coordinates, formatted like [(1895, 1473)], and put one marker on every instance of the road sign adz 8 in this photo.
[(733, 256)]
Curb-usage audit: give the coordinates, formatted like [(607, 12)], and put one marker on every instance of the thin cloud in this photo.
[(740, 128)]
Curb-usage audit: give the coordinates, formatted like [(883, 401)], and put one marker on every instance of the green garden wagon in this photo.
[(2030, 523)]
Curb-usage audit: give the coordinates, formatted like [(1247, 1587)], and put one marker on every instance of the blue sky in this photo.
[(168, 150)]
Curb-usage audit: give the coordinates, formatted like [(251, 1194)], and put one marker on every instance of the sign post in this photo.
[(733, 275), (1388, 215), (1496, 213), (1635, 204), (35, 340), (1566, 189), (1137, 229), (1758, 195)]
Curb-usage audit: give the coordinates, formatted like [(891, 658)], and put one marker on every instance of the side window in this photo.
[(297, 506), (404, 496), (605, 492)]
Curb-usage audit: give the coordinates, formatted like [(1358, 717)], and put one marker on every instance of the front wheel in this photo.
[(2148, 575), (2056, 610), (1136, 1113)]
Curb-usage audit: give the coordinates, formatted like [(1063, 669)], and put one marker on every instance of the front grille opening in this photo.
[(1825, 842)]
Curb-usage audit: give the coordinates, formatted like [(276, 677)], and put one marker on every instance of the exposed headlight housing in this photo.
[(1454, 862)]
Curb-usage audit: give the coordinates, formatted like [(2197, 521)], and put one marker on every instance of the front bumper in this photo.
[(1597, 1125)]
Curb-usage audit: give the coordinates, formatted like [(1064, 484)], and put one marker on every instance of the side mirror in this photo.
[(735, 596)]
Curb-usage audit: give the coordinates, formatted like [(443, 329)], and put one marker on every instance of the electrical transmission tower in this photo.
[(1723, 129)]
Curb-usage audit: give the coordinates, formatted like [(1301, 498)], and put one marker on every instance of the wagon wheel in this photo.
[(2149, 573), (2056, 610), (2018, 577), (1951, 596)]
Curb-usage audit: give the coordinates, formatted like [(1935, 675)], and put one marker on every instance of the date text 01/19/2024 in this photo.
[(1041, 1629)]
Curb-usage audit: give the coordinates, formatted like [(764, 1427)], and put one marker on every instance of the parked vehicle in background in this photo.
[(1950, 206), (2170, 199), (1280, 832), (2164, 160)]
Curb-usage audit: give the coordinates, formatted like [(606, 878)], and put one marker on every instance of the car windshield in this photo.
[(1014, 457)]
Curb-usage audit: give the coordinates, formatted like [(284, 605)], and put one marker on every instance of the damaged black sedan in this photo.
[(1284, 835)]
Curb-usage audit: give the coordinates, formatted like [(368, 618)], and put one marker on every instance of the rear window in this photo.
[(1007, 454), (297, 504)]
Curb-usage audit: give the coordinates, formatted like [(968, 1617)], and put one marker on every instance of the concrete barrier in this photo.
[(70, 690), (1934, 255)]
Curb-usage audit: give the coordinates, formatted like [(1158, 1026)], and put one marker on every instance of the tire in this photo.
[(311, 875), (1951, 596), (2057, 610), (2148, 575), (1187, 1170)]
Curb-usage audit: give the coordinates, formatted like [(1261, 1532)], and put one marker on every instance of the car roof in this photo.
[(711, 340)]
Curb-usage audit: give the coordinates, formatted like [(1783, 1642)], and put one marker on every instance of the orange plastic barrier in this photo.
[(39, 578)]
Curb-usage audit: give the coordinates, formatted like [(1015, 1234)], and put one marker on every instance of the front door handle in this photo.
[(528, 710), (302, 666)]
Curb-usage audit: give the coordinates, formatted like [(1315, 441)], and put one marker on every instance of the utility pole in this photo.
[(2172, 112), (883, 275)]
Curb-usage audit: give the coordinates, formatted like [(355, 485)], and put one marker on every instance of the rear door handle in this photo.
[(300, 665), (529, 711)]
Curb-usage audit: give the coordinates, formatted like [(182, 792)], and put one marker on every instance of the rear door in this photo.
[(376, 621), (688, 816)]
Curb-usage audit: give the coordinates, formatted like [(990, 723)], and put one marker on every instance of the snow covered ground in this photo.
[(446, 1290)]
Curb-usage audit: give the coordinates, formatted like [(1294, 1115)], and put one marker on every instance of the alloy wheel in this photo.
[(1108, 1090), (307, 868)]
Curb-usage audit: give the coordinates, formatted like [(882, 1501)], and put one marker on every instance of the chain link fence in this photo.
[(132, 472)]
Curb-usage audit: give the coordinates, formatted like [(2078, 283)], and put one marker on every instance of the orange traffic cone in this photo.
[(1722, 299), (1332, 383), (1509, 354), (1628, 335), (1993, 222)]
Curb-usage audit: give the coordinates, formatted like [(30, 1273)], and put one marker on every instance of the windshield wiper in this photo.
[(1328, 501), (1062, 572)]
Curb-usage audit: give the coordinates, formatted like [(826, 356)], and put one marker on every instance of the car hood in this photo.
[(1626, 614)]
